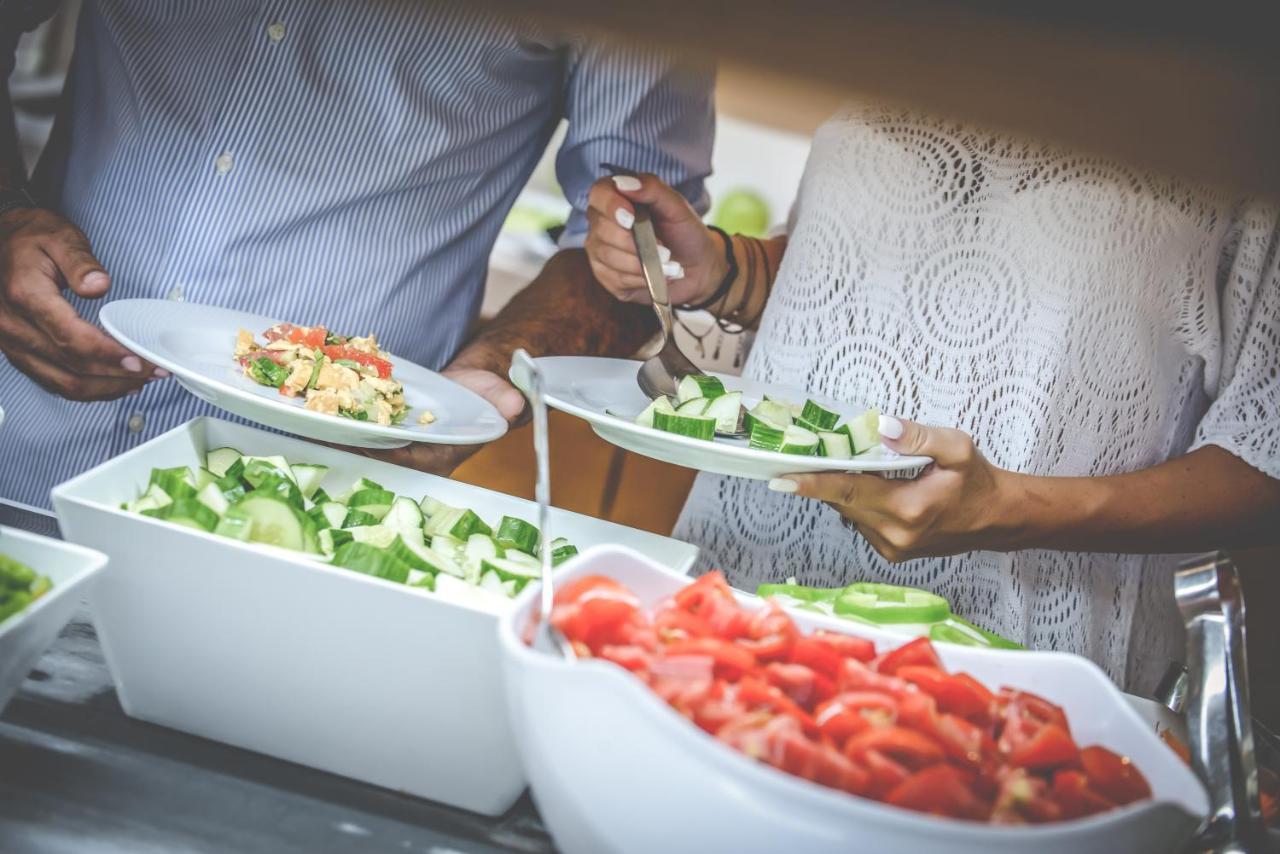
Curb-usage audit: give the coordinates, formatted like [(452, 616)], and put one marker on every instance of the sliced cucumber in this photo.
[(819, 416), (331, 539), (509, 570), (356, 518), (276, 522), (152, 499), (379, 536), (360, 484), (375, 502), (799, 441), (517, 534), (561, 550), (456, 522), (277, 462), (268, 478), (320, 497), (211, 496), (481, 547), (177, 482), (430, 506), (418, 578), (767, 435), (697, 406), (235, 527), (405, 517), (188, 512), (698, 385), (334, 513), (695, 426), (421, 558), (308, 477), (837, 446), (370, 560), (661, 404), (204, 477), (771, 412), (725, 409), (864, 431), (220, 460)]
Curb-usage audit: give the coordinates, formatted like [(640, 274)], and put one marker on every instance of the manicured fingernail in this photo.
[(625, 218), (782, 484), (673, 270), (131, 363), (159, 373), (626, 183), (95, 281), (664, 253), (890, 427)]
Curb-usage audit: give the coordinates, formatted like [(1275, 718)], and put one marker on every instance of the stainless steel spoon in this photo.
[(547, 638)]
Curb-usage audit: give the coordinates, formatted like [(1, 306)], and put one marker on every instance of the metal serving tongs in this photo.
[(660, 374), (528, 378), (1208, 594)]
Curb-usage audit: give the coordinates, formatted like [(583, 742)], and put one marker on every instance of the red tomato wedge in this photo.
[(1113, 776), (1051, 747), (917, 652), (939, 790), (336, 352)]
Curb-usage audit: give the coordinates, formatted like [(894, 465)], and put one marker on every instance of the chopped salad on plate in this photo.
[(333, 374)]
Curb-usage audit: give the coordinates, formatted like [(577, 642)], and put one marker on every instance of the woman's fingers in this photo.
[(606, 199), (852, 492), (947, 446)]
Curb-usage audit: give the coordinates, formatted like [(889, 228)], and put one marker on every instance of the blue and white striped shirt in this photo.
[(343, 162)]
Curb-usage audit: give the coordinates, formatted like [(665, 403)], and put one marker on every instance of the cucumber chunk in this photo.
[(562, 550), (235, 527), (767, 435), (819, 416), (517, 534), (370, 560), (725, 409), (405, 517), (378, 536), (797, 440), (695, 426), (698, 385), (661, 404), (186, 511), (309, 477), (277, 462), (864, 431), (697, 406), (211, 496), (356, 518), (837, 445), (276, 522), (177, 482), (456, 522), (220, 460)]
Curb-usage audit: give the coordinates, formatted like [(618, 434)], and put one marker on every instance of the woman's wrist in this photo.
[(1036, 512)]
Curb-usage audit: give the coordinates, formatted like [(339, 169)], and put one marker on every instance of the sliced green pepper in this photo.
[(990, 639), (799, 591), (889, 603)]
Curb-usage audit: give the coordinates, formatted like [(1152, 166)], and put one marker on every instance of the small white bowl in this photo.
[(26, 635), (613, 769)]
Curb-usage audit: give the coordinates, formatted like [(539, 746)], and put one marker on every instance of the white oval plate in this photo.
[(587, 387), (195, 343)]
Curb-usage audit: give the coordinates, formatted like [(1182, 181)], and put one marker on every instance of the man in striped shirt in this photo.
[(347, 163)]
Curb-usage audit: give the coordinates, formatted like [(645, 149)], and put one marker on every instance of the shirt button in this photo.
[(275, 32), (136, 422), (223, 164), (176, 293)]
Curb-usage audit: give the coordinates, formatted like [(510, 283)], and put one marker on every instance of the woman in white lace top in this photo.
[(1109, 339)]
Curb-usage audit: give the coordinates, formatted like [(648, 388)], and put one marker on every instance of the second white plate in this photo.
[(592, 388), (195, 343)]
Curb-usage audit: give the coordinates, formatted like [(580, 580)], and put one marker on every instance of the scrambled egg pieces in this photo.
[(349, 377)]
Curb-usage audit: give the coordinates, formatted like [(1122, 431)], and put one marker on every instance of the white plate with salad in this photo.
[(310, 381), (781, 430)]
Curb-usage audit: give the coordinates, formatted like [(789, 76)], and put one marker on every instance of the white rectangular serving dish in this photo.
[(275, 652), (25, 636)]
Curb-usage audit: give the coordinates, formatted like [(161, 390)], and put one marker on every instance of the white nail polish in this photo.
[(782, 484), (626, 183), (625, 218), (131, 363), (673, 270), (664, 253), (890, 427)]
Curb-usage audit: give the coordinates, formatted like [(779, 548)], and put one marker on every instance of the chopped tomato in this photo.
[(770, 633), (731, 660), (1051, 747), (674, 623), (637, 659), (845, 715), (799, 683), (711, 599), (845, 645), (1114, 776), (1075, 797), (817, 656), (917, 652), (856, 676), (958, 693), (883, 773), (595, 611), (938, 790), (907, 747), (336, 352), (1024, 799), (754, 692)]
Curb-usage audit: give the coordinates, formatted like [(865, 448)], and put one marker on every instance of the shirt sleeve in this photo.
[(1244, 416), (641, 108), (16, 18)]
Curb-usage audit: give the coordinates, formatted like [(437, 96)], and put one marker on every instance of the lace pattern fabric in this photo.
[(1076, 317)]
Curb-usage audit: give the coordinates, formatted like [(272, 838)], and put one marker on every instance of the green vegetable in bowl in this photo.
[(20, 585)]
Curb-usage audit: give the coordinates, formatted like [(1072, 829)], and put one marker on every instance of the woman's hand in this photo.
[(956, 505), (693, 257)]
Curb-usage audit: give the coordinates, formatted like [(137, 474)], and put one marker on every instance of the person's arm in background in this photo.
[(627, 105), (40, 254)]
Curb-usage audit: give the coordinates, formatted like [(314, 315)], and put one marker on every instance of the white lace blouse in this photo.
[(1075, 316)]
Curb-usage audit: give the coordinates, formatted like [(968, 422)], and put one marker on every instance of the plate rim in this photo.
[(736, 452), (307, 415)]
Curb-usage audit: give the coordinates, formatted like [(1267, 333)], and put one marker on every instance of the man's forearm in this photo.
[(562, 312), (1204, 500)]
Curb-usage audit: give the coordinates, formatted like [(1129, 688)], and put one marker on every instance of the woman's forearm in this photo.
[(758, 262), (1204, 500)]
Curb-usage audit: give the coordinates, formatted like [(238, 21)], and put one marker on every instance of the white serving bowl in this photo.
[(613, 769), (25, 636), (279, 653)]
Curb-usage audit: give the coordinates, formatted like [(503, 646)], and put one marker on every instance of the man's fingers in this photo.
[(945, 445), (69, 250), (59, 381)]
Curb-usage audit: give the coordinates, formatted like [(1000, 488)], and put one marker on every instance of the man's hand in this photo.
[(443, 459), (40, 333)]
